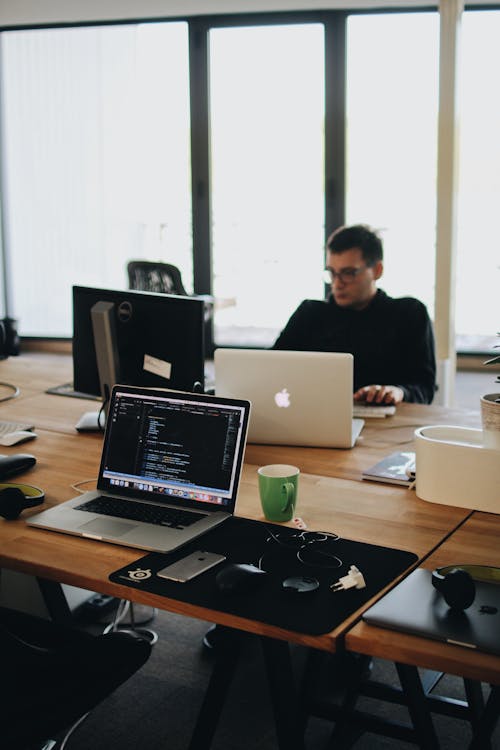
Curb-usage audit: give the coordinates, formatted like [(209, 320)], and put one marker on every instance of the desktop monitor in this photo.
[(155, 340)]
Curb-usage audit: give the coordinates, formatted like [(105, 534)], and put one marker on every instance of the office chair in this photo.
[(155, 276), (54, 675), (149, 276)]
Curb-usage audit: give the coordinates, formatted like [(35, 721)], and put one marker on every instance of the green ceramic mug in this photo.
[(278, 488)]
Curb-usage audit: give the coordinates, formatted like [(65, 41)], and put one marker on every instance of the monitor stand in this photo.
[(66, 389), (103, 325)]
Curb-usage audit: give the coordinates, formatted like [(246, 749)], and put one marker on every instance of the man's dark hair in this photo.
[(359, 235)]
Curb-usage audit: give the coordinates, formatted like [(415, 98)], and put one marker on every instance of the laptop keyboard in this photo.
[(155, 514), (371, 410)]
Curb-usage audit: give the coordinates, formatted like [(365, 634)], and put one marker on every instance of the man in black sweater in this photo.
[(392, 340)]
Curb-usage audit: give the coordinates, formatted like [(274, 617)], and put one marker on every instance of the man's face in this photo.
[(353, 282)]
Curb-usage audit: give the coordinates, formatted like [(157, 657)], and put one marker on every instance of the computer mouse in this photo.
[(15, 464), (19, 436), (238, 578)]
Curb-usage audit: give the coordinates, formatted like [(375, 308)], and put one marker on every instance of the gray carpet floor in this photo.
[(157, 707)]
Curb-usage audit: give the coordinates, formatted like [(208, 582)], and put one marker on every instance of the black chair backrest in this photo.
[(150, 276)]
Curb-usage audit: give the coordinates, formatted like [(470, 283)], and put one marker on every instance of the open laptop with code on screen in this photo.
[(170, 470), (298, 398)]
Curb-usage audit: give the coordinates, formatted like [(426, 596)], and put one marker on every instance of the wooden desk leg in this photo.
[(417, 706), (488, 721), (217, 688), (287, 716)]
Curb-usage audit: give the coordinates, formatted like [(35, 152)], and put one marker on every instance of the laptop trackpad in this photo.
[(107, 527)]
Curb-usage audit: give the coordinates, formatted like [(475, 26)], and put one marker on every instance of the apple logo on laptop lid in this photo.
[(282, 398)]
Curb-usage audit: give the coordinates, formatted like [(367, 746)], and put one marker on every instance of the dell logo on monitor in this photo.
[(124, 312)]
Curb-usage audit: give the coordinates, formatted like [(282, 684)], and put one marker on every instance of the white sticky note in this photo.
[(157, 366)]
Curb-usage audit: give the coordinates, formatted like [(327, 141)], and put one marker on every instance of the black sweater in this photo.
[(392, 341)]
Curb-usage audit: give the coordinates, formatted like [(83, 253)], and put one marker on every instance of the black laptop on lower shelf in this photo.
[(414, 606)]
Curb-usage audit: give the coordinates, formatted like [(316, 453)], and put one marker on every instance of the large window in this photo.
[(97, 164), (391, 160), (478, 266), (267, 166), (98, 125)]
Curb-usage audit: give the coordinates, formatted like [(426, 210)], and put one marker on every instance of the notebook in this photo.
[(415, 607), (396, 468), (164, 452), (298, 398)]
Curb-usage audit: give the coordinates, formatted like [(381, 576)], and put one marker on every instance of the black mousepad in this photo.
[(282, 553)]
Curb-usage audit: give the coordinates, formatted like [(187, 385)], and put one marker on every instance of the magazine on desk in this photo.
[(392, 469)]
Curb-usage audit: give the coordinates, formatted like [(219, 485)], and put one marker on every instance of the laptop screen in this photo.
[(168, 446)]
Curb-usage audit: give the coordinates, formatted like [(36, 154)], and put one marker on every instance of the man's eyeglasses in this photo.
[(346, 275)]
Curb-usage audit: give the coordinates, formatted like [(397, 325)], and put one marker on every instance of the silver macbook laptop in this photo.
[(170, 470), (298, 398), (414, 606)]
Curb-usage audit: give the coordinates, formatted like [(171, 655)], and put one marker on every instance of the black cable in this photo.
[(305, 543), (100, 414), (102, 410)]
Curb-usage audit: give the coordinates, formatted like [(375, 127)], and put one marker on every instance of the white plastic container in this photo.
[(453, 467)]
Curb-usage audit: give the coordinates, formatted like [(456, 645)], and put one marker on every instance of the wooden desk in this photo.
[(47, 411), (65, 459), (330, 498), (371, 512), (33, 373), (378, 438), (37, 371), (476, 541)]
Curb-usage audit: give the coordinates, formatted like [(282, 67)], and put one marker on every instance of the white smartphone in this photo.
[(191, 566)]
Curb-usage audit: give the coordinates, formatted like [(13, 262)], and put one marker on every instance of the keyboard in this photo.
[(7, 427), (132, 511), (367, 411)]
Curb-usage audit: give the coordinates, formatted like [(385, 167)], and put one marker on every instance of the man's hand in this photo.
[(379, 394)]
